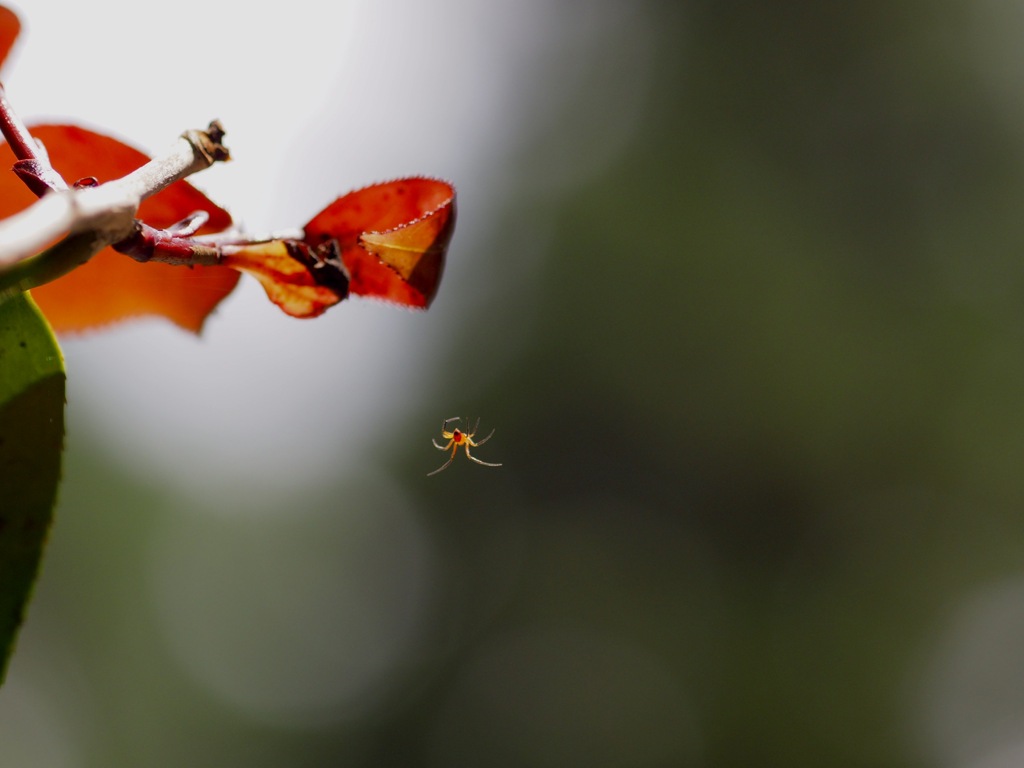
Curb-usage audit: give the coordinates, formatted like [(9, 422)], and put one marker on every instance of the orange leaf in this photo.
[(302, 281), (393, 237), (10, 26), (111, 286)]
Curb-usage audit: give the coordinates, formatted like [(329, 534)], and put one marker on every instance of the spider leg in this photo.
[(481, 442), (471, 457), (444, 424), (443, 466), (442, 447)]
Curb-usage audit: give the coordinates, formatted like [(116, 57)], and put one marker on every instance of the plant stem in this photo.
[(15, 132), (106, 212), (33, 166), (54, 262)]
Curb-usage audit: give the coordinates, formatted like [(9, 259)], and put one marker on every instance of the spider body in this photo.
[(458, 439)]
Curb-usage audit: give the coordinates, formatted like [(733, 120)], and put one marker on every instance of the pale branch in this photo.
[(107, 211)]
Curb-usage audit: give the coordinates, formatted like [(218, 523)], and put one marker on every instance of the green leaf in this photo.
[(31, 439)]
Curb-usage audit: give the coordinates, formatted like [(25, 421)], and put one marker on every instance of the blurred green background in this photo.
[(747, 315)]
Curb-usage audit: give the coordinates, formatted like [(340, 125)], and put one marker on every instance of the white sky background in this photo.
[(317, 98)]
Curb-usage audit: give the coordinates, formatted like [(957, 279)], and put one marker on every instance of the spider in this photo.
[(456, 439)]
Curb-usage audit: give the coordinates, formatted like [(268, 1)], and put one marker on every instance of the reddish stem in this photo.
[(17, 135), (150, 244), (33, 166)]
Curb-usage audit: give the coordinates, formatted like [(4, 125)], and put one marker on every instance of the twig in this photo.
[(107, 211), (33, 166), (52, 263)]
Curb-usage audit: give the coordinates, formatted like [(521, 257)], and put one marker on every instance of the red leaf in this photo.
[(10, 26), (111, 286), (393, 237)]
